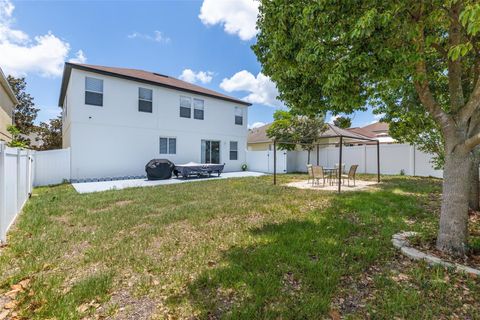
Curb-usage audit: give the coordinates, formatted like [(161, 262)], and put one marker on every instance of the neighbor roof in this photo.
[(372, 130), (141, 76), (259, 135)]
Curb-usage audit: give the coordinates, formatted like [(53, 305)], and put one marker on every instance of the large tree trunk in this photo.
[(474, 197), (308, 160), (453, 231)]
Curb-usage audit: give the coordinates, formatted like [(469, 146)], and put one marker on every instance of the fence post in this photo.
[(28, 175), (19, 183), (3, 195), (411, 160), (365, 158)]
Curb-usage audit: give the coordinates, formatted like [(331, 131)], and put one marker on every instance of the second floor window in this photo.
[(238, 116), (145, 100), (168, 145), (93, 91), (198, 105), (185, 107)]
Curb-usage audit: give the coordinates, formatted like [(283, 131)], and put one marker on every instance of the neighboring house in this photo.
[(260, 150), (377, 130), (116, 119), (258, 139), (8, 101)]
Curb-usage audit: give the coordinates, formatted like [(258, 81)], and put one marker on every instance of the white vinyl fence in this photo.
[(52, 167), (262, 161), (16, 182), (394, 158)]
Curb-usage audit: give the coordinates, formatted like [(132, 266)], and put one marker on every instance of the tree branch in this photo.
[(457, 99), (472, 142), (422, 87), (473, 103), (432, 106), (440, 50)]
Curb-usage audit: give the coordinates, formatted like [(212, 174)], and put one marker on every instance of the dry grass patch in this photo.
[(234, 248)]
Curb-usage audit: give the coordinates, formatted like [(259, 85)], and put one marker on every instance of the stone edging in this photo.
[(400, 241)]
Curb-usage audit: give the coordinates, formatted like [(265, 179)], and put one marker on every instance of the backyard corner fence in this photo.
[(52, 167), (394, 159), (16, 183)]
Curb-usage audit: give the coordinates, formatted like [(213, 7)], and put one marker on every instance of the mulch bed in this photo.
[(471, 259)]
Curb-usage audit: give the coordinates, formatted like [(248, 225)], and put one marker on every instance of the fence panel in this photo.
[(16, 177), (394, 159), (52, 167), (262, 161)]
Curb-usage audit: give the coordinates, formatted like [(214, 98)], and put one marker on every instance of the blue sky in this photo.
[(206, 42)]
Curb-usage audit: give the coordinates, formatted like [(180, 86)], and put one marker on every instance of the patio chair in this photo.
[(350, 175), (310, 174), (318, 174)]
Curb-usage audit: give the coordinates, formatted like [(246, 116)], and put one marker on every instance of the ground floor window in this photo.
[(210, 151), (168, 145), (233, 150)]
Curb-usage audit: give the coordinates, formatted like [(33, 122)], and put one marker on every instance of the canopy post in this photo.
[(318, 155), (274, 162), (378, 161), (340, 166)]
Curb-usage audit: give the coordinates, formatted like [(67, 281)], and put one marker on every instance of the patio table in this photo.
[(331, 172)]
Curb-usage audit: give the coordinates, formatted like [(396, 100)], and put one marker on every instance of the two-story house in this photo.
[(8, 101), (116, 119)]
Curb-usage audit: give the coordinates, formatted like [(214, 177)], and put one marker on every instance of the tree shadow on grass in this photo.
[(291, 270)]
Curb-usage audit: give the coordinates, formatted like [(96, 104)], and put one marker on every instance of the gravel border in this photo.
[(400, 241)]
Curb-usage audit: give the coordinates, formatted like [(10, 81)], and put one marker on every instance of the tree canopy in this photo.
[(292, 130), (25, 112), (50, 134), (342, 56), (343, 122)]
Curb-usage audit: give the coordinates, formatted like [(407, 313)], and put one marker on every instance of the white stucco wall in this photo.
[(117, 140)]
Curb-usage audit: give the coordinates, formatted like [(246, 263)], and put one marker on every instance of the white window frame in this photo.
[(93, 91), (238, 113), (180, 106), (202, 109), (140, 99), (168, 145), (231, 150)]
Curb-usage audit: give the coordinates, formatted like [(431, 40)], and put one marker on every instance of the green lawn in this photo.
[(235, 248)]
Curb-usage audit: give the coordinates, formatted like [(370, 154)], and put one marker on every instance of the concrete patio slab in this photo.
[(87, 187), (359, 185)]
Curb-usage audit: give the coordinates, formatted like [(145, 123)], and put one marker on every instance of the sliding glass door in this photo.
[(210, 151)]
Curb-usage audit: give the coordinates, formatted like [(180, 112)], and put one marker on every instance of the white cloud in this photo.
[(201, 76), (79, 57), (333, 118), (20, 54), (157, 36), (237, 17), (261, 89), (256, 125), (377, 117)]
